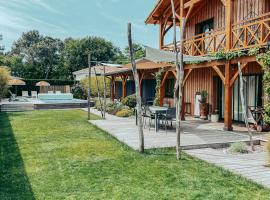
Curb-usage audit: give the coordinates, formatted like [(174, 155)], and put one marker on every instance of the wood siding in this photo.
[(216, 10), (203, 79)]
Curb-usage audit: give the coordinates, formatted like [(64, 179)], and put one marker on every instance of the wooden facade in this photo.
[(214, 26)]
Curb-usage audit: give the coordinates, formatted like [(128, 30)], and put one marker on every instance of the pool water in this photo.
[(55, 101)]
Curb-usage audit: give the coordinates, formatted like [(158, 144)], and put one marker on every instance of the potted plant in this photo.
[(215, 116), (203, 105)]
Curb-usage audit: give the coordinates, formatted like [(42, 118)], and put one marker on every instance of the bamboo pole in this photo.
[(179, 78), (98, 91), (138, 91), (105, 91), (89, 86), (244, 108)]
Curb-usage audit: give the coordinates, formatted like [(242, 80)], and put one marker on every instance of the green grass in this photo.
[(58, 155)]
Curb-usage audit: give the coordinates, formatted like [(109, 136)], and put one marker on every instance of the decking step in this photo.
[(16, 107)]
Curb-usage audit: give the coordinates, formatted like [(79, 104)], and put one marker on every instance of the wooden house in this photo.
[(217, 26)]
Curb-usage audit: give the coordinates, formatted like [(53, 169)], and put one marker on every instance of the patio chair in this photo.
[(169, 116), (58, 92), (34, 94), (50, 92), (25, 94), (147, 114)]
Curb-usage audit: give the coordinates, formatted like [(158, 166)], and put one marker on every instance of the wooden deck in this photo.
[(251, 166)]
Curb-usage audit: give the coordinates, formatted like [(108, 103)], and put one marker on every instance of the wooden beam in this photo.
[(164, 78), (190, 3), (124, 86), (113, 89), (228, 23), (235, 76), (141, 77), (186, 77), (224, 2), (222, 77), (174, 73)]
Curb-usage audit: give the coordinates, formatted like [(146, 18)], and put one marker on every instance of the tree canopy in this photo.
[(35, 56)]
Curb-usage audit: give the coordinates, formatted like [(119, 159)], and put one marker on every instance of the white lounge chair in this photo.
[(25, 94), (34, 94), (58, 92), (50, 92)]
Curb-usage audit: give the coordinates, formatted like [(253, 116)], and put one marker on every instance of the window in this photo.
[(205, 26), (169, 88)]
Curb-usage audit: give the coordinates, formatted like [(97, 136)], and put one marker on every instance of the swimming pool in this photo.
[(57, 97)]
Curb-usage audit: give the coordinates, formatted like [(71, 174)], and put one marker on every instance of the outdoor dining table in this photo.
[(156, 110)]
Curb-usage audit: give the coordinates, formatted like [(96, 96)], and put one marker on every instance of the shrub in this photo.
[(130, 101), (78, 92), (125, 112), (239, 147), (94, 88), (4, 78)]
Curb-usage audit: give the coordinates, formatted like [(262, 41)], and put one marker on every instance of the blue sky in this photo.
[(78, 18)]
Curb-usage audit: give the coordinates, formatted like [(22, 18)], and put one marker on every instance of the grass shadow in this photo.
[(14, 182)]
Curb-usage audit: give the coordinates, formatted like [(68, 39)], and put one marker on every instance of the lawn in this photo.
[(58, 155)]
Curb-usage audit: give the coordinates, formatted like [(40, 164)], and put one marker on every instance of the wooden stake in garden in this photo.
[(138, 92), (244, 108), (105, 92), (179, 64), (98, 91), (89, 86)]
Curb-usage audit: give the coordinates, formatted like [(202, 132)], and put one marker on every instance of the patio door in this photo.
[(252, 94)]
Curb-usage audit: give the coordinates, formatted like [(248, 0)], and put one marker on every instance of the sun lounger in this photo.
[(25, 94), (58, 92), (50, 92), (34, 94)]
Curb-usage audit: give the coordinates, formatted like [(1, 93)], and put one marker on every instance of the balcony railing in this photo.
[(244, 35)]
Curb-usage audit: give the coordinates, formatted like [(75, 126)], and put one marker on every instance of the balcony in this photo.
[(244, 35)]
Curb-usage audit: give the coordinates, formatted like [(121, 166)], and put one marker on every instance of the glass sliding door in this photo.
[(252, 95)]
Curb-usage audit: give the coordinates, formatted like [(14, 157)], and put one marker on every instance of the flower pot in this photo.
[(214, 117), (203, 111)]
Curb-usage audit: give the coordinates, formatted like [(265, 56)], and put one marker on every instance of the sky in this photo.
[(78, 18)]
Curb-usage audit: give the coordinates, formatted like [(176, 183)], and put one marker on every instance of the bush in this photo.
[(94, 88), (125, 112), (130, 101), (4, 78), (78, 92), (239, 147)]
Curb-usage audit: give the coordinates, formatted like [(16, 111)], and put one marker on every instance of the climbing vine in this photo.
[(158, 77), (264, 58)]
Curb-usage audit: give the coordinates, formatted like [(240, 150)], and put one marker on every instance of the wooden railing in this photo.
[(251, 33), (245, 34)]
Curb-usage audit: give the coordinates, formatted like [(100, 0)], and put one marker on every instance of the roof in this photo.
[(99, 70), (141, 64), (159, 10), (145, 64)]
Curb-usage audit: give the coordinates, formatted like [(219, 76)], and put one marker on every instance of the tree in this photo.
[(4, 78), (76, 52), (137, 89), (179, 64), (139, 51)]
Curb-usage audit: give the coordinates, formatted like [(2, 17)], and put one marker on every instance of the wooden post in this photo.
[(124, 86), (161, 35), (138, 92), (228, 23), (98, 91), (162, 94), (89, 85), (228, 99), (113, 89)]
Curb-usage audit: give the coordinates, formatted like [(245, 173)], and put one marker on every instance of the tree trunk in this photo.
[(244, 108), (179, 64), (138, 92)]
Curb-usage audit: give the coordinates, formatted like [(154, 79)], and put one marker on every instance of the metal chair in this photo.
[(170, 115)]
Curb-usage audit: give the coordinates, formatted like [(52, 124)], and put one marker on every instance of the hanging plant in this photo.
[(158, 77)]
